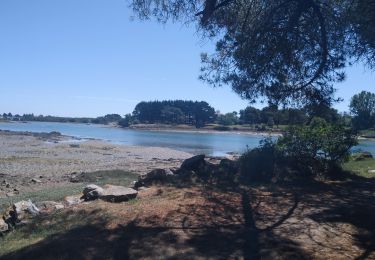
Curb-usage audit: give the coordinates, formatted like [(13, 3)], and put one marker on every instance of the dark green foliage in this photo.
[(228, 119), (287, 51), (315, 149), (362, 106), (271, 115), (260, 164), (250, 115), (175, 111), (317, 144), (126, 121)]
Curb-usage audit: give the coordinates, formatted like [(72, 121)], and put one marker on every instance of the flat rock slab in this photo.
[(49, 206), (114, 193)]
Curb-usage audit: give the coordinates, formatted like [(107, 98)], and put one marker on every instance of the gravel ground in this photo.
[(51, 158)]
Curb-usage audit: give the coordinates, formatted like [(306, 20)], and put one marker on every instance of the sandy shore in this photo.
[(53, 158)]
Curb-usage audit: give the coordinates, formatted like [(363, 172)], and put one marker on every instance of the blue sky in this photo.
[(87, 58)]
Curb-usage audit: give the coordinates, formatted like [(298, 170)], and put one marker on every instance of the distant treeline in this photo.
[(200, 113), (197, 113), (110, 118), (272, 115)]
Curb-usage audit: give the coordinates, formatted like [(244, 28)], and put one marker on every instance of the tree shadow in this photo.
[(224, 227), (352, 203)]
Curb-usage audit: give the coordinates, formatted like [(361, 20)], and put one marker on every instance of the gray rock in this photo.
[(73, 200), (371, 171), (24, 210), (114, 193), (49, 206), (92, 192), (3, 226), (154, 176), (194, 163), (35, 180)]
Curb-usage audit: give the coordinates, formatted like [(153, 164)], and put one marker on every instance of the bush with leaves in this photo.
[(309, 150), (259, 164), (318, 143)]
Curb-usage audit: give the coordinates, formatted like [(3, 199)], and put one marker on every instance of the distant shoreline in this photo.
[(183, 129), (191, 129)]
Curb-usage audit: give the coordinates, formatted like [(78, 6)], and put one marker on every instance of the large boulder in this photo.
[(154, 176), (194, 163), (92, 192), (25, 209), (114, 193), (20, 212)]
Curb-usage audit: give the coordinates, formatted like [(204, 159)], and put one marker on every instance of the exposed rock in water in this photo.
[(92, 192), (194, 163), (114, 193)]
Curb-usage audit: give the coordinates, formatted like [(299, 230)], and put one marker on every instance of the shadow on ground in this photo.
[(283, 222)]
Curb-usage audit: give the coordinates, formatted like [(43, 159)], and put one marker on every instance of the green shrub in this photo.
[(318, 144), (259, 164), (315, 149)]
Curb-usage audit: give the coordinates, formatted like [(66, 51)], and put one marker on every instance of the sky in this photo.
[(89, 58)]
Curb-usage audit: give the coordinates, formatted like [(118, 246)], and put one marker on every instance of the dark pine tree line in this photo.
[(197, 113)]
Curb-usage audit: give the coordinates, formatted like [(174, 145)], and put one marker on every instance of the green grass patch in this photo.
[(369, 133), (114, 177), (361, 168)]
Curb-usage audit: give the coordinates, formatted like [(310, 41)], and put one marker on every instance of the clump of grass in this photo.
[(361, 168)]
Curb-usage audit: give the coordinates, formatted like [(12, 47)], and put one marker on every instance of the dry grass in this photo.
[(320, 221)]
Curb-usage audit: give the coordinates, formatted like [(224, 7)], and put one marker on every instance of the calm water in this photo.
[(208, 143)]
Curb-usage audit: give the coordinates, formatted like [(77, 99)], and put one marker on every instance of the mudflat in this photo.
[(31, 161)]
